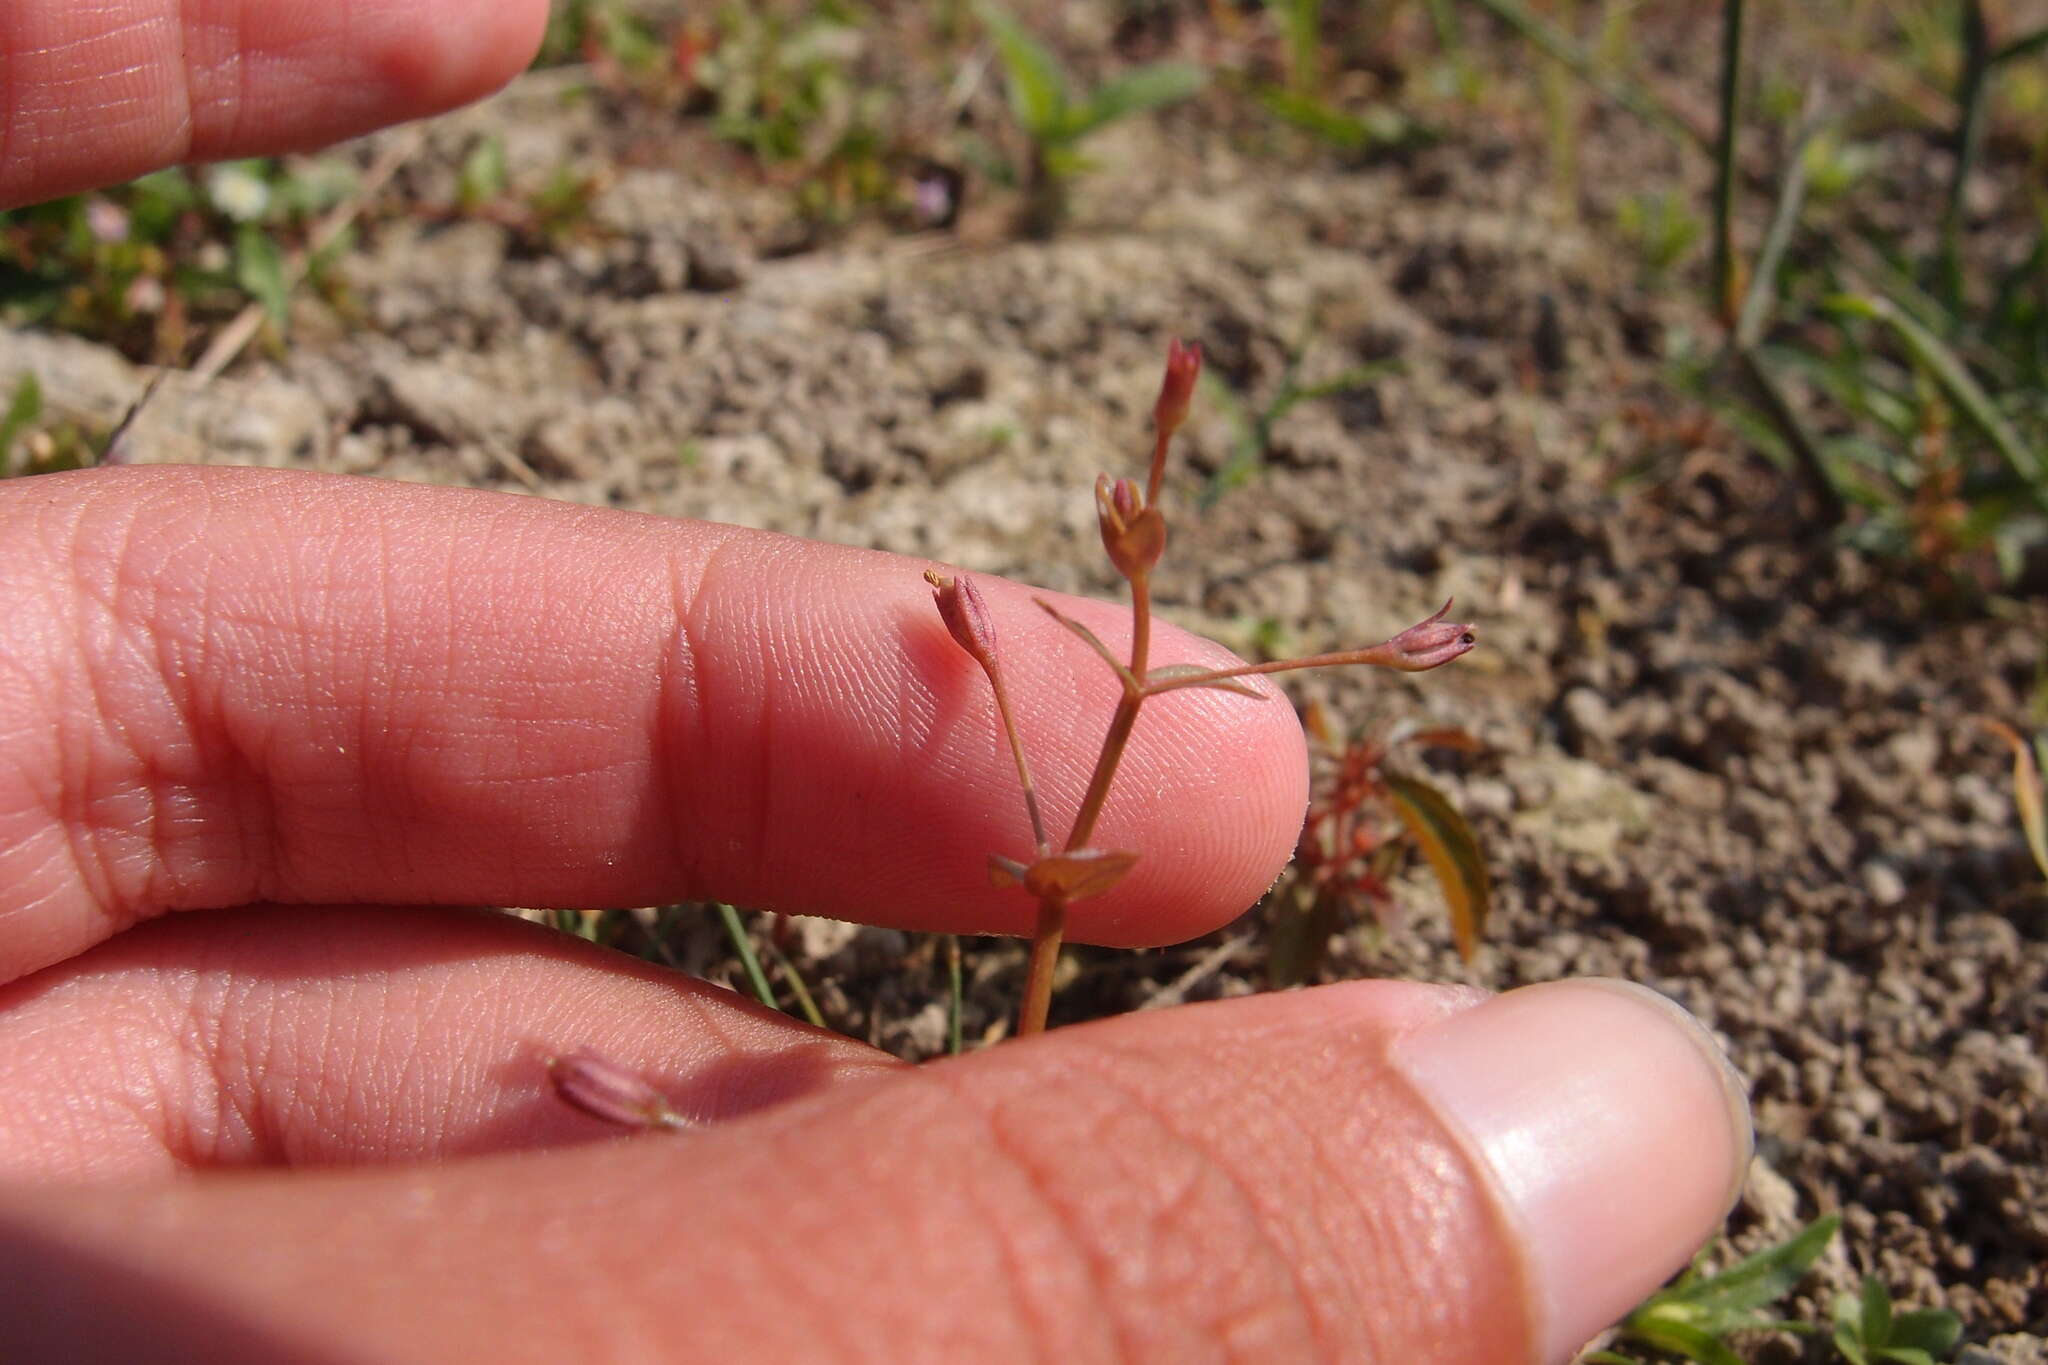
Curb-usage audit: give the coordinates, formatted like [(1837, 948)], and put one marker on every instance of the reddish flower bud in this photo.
[(1132, 533), (965, 614), (605, 1090), (1183, 367), (1429, 644)]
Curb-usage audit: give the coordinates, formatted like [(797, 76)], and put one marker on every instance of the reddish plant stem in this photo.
[(1379, 656), (1040, 844), (1050, 931)]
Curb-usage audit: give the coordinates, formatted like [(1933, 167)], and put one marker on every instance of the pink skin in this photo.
[(221, 686), (325, 690), (96, 92)]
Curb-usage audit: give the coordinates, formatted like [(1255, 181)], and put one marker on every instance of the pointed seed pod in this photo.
[(1177, 389), (1133, 534), (966, 615), (1430, 644), (605, 1090)]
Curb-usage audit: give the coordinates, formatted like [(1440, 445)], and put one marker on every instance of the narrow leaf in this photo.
[(1933, 1330), (2024, 46), (1077, 873), (1173, 671), (1876, 1310), (259, 270), (1760, 1279), (1137, 92), (1955, 380), (22, 411), (1089, 638), (1684, 1338), (1446, 737), (1038, 89), (1004, 871), (1453, 852), (2026, 790)]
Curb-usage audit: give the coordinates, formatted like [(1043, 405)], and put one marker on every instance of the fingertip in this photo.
[(1612, 1129), (438, 57)]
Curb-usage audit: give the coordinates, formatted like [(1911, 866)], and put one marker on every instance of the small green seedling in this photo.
[(1252, 427), (1868, 1332), (1056, 118), (1694, 1317), (1057, 874)]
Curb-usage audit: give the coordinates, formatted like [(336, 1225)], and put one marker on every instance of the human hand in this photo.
[(241, 688), (238, 689)]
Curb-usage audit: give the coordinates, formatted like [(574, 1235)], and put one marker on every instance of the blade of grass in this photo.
[(804, 1003), (1725, 303), (1762, 296), (751, 964), (2026, 789), (1805, 450), (1955, 380), (1634, 98)]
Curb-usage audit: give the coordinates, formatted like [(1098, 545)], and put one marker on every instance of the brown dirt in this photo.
[(1726, 758)]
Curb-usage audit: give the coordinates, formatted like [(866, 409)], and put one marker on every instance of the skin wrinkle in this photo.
[(1052, 1322), (1039, 1180), (1209, 1159)]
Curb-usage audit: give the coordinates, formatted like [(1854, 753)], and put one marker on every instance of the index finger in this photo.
[(221, 687), (94, 93)]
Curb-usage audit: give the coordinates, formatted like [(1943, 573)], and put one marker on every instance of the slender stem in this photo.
[(954, 995), (1726, 303), (737, 932), (1045, 957), (1052, 914), (1969, 139), (1121, 723), (1039, 842), (1379, 656), (1157, 474)]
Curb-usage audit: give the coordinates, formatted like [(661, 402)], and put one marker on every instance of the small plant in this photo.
[(1362, 827), (787, 92), (1057, 874), (1694, 1317), (1868, 1332), (1252, 428), (1660, 227), (45, 447), (1055, 118), (147, 265)]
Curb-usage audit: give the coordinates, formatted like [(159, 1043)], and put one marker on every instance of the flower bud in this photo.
[(966, 615), (1132, 533), (1183, 367), (1429, 644), (605, 1090)]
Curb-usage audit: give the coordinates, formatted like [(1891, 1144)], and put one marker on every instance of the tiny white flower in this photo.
[(237, 192)]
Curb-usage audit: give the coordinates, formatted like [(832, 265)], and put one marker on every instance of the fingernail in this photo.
[(1611, 1127)]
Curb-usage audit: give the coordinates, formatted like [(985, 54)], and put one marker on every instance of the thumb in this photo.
[(1373, 1171)]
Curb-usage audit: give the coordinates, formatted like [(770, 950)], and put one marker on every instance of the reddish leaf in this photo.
[(1453, 853), (1077, 873)]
